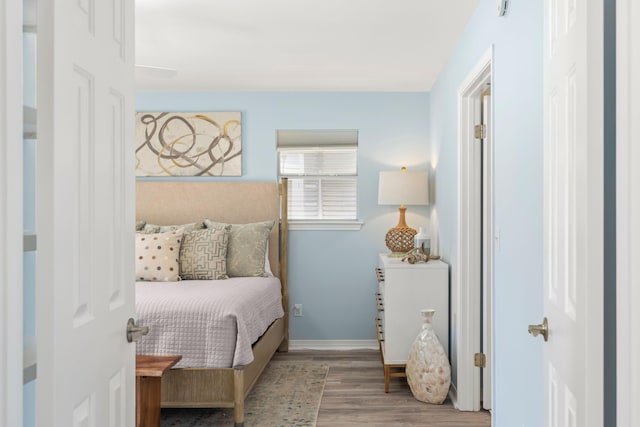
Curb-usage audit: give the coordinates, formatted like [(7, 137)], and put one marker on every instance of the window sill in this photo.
[(321, 224)]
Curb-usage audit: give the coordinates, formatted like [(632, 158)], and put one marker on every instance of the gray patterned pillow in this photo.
[(203, 255), (140, 224), (157, 256), (247, 247), (155, 228)]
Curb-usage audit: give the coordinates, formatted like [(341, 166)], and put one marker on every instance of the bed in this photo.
[(164, 202)]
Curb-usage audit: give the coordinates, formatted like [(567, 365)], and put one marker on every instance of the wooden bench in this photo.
[(149, 370)]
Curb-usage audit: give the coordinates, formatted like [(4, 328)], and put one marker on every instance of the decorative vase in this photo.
[(428, 369)]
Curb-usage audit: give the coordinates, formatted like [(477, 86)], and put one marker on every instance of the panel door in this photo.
[(85, 197), (573, 204)]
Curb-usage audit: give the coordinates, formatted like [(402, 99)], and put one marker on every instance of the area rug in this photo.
[(287, 394)]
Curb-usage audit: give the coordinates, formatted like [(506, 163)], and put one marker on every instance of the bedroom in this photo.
[(265, 112)]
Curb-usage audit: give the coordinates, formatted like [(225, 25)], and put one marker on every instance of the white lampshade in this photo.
[(403, 188)]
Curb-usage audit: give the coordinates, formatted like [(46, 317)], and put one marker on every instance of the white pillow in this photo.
[(158, 255), (267, 265)]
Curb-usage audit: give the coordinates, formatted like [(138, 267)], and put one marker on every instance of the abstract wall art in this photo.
[(188, 144)]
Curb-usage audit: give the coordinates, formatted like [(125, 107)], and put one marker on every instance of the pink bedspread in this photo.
[(211, 323)]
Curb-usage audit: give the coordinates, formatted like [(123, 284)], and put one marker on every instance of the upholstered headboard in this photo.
[(177, 202)]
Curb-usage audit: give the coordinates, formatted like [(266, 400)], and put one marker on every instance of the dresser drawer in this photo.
[(379, 301), (379, 274)]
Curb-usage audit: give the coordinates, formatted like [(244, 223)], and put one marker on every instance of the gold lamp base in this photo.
[(399, 239)]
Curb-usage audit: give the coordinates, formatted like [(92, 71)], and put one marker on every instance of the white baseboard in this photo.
[(333, 345)]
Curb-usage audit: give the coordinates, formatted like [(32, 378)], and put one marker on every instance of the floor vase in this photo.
[(428, 369)]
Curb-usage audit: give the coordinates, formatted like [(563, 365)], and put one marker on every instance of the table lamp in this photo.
[(402, 188)]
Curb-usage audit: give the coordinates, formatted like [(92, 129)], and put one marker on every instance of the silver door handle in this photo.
[(541, 329), (135, 332)]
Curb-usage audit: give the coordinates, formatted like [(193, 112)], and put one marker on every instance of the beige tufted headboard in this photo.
[(176, 202)]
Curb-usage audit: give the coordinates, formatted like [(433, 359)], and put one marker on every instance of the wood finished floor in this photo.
[(354, 395)]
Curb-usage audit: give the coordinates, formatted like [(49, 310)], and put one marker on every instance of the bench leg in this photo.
[(148, 390), (238, 397)]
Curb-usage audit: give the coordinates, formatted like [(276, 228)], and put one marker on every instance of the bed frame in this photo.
[(171, 202)]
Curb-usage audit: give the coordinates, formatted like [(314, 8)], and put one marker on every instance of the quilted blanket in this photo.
[(211, 323)]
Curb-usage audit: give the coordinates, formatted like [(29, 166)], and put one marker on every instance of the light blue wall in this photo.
[(518, 137), (330, 273)]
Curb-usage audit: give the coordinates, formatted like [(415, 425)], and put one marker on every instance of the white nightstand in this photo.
[(403, 290)]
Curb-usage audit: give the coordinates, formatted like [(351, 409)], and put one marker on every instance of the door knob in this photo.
[(135, 332), (542, 329)]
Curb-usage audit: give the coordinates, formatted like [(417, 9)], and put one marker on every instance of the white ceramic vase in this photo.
[(428, 369)]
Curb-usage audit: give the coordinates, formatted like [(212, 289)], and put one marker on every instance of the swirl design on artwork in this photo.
[(188, 144)]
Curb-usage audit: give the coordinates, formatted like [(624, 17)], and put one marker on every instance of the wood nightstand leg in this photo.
[(148, 391), (387, 375)]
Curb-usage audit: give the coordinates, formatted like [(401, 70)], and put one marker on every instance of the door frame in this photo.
[(488, 251), (627, 213), (11, 222), (466, 296)]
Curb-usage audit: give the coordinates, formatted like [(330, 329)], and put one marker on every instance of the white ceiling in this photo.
[(297, 45)]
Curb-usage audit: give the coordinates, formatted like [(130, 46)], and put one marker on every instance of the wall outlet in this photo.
[(297, 310)]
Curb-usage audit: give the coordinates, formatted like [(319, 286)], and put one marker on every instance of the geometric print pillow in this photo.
[(203, 254), (157, 256)]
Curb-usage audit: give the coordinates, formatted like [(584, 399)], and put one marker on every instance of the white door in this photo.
[(85, 197), (573, 205)]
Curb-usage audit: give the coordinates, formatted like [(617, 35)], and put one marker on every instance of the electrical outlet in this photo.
[(297, 310)]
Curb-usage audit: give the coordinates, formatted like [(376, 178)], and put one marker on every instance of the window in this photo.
[(322, 169)]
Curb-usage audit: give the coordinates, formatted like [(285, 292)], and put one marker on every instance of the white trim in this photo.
[(45, 319), (333, 345), (453, 395), (11, 225), (627, 212), (488, 247), (466, 296), (594, 318), (323, 225)]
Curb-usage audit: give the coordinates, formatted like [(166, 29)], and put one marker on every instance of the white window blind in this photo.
[(322, 169)]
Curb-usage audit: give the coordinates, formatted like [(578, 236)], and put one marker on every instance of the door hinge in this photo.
[(480, 360), (480, 131)]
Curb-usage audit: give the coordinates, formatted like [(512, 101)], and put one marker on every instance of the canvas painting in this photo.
[(188, 144)]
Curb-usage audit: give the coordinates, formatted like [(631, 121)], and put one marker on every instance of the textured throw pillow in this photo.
[(140, 224), (247, 247), (155, 228), (203, 254), (157, 256)]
